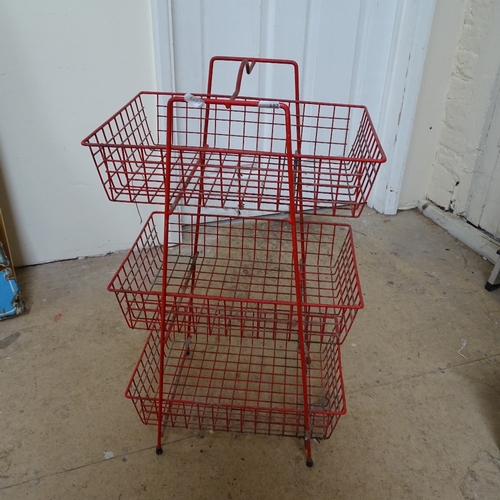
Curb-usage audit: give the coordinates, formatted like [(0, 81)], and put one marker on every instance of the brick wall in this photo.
[(475, 64)]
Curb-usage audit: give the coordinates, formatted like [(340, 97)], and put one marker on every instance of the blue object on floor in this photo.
[(11, 302)]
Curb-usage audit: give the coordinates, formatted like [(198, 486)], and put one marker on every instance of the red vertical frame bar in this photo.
[(298, 286)]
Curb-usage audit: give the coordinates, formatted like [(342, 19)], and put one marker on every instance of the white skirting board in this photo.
[(474, 238)]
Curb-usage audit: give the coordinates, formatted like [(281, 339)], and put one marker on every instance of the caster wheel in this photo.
[(159, 451), (309, 463)]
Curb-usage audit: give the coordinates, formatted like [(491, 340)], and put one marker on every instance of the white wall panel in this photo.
[(483, 207), (359, 51), (65, 67)]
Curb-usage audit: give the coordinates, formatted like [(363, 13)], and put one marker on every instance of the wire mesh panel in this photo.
[(236, 275), (234, 156), (244, 385)]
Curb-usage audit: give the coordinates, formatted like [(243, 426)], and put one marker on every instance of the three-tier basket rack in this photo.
[(245, 283)]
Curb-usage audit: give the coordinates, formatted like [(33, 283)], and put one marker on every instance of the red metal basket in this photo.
[(239, 384), (239, 280), (234, 153)]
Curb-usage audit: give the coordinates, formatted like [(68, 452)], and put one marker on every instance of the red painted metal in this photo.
[(247, 64), (246, 291), (337, 154), (236, 275), (238, 384)]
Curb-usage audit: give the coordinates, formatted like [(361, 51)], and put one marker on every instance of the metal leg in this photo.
[(494, 280)]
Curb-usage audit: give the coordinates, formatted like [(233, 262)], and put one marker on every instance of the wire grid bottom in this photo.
[(236, 384)]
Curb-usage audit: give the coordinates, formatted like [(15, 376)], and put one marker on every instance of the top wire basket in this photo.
[(233, 152)]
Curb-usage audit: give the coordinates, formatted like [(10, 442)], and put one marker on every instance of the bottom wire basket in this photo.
[(239, 384)]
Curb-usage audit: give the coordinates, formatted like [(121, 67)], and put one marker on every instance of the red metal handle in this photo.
[(248, 63), (249, 67)]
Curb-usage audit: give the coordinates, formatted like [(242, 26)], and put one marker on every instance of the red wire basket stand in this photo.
[(245, 284)]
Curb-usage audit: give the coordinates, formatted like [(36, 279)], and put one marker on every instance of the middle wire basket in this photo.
[(235, 277)]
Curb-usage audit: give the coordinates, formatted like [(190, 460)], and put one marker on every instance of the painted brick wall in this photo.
[(475, 65)]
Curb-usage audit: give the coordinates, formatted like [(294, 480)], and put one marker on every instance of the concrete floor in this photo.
[(422, 421)]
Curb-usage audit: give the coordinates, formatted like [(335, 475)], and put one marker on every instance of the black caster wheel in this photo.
[(159, 451), (309, 463)]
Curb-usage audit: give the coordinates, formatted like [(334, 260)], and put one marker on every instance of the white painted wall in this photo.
[(427, 127), (410, 36), (65, 66), (360, 51), (483, 207), (342, 48), (475, 66), (462, 63)]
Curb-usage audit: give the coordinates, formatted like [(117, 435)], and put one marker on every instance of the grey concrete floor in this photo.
[(423, 422)]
